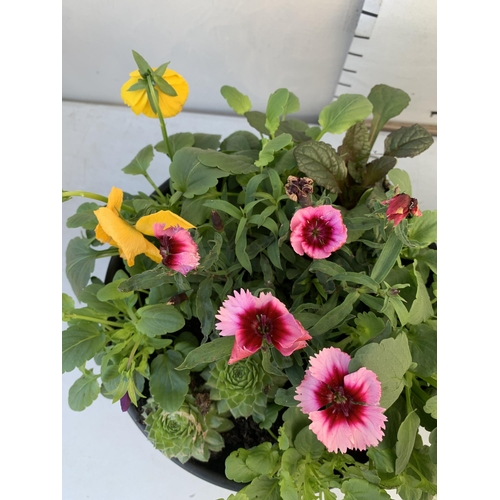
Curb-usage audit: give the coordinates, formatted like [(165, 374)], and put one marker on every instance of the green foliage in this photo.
[(152, 332)]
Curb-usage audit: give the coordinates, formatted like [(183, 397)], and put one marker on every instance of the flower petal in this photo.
[(363, 386), (312, 393), (233, 311), (330, 365), (166, 217)]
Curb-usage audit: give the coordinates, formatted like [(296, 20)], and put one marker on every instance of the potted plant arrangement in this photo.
[(269, 312)]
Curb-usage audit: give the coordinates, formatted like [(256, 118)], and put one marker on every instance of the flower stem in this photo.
[(134, 350), (272, 434), (85, 194), (94, 320), (160, 116)]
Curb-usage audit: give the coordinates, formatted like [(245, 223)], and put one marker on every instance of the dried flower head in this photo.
[(299, 189), (400, 207)]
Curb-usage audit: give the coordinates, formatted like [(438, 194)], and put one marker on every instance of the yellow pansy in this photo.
[(130, 239), (169, 105)]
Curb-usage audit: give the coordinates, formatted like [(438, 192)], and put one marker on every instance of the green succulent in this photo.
[(242, 388), (186, 432)]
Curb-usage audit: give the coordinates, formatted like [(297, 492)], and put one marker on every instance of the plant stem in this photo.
[(85, 194), (134, 350), (408, 384), (160, 117), (272, 434), (94, 320)]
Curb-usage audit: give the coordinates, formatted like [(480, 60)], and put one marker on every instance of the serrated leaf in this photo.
[(406, 440), (431, 407), (320, 162), (159, 319), (377, 169), (189, 176), (80, 343), (343, 113), (388, 102), (80, 262), (356, 145), (208, 353), (390, 360), (262, 459), (408, 142), (169, 386), (238, 102), (140, 164), (275, 107), (83, 392), (237, 469)]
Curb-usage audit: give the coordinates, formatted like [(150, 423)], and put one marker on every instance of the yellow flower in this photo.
[(130, 239), (169, 105)]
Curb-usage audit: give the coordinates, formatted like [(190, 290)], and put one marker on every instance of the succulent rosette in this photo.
[(241, 388), (184, 433)]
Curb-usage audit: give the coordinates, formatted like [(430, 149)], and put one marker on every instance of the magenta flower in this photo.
[(253, 320), (400, 207), (177, 248), (343, 407), (317, 231)]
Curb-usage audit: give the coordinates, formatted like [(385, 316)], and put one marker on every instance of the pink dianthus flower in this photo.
[(177, 248), (317, 231), (343, 407), (255, 319)]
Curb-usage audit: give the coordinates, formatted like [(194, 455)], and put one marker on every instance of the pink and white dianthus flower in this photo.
[(343, 407), (253, 320), (177, 248), (317, 231)]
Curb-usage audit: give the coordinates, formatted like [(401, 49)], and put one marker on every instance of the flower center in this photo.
[(264, 326), (340, 401), (319, 231)]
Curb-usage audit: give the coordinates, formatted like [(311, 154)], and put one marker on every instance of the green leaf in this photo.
[(241, 246), (241, 140), (84, 217), (343, 113), (320, 162), (433, 446), (238, 102), (306, 442), (400, 178), (237, 469), (111, 292), (275, 108), (406, 440), (189, 176), (140, 164), (263, 488), (80, 342), (359, 489), (334, 317), (390, 360), (142, 65), (387, 258), (384, 460), (257, 120), (424, 228), (431, 407), (356, 145), (164, 86), (234, 164), (286, 397), (262, 459), (80, 262), (177, 142), (377, 169), (288, 488), (83, 392), (423, 347), (208, 353), (292, 105), (159, 319), (206, 141), (146, 280), (204, 306), (388, 102), (421, 309), (408, 142), (266, 155), (169, 386)]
